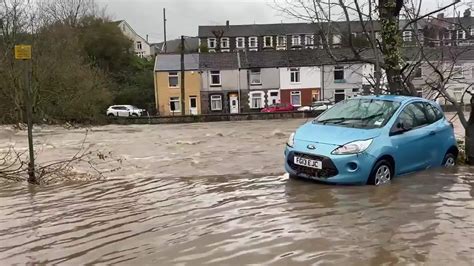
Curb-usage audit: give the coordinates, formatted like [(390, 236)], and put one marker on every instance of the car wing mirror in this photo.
[(398, 129)]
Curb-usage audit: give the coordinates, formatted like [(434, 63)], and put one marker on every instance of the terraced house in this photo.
[(168, 85)]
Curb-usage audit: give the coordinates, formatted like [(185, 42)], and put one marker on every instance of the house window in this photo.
[(338, 73), (472, 32), (215, 78), (173, 79), (407, 36), (309, 40), (240, 42), (175, 106), (457, 93), (256, 100), (295, 98), (255, 77), (268, 41), (458, 72), (460, 35), (211, 43), (336, 39), (216, 102), (281, 41), (294, 75), (417, 73), (296, 40), (225, 43), (253, 42), (139, 45)]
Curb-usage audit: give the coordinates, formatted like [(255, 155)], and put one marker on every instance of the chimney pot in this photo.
[(440, 15), (227, 23)]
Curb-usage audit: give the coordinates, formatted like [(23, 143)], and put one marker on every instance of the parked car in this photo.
[(280, 107), (318, 106), (125, 111), (370, 140)]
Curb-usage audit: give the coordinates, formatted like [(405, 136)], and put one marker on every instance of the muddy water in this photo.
[(426, 218)]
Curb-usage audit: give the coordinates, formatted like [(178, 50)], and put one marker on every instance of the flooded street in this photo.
[(216, 194)]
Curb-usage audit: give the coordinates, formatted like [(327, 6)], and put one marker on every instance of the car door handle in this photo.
[(432, 133)]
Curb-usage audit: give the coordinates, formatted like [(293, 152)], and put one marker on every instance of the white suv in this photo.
[(125, 111)]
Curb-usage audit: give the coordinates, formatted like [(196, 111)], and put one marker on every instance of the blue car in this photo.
[(370, 140)]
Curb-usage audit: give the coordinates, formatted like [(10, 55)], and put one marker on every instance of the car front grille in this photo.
[(328, 167)]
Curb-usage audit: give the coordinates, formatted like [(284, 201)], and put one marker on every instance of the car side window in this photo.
[(433, 113), (413, 116)]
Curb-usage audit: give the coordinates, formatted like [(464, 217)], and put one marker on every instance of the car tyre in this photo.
[(134, 115), (110, 115), (381, 173), (449, 160)]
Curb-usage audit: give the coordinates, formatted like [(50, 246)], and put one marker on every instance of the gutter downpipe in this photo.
[(238, 80)]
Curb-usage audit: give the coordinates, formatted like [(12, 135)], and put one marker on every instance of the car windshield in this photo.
[(359, 113)]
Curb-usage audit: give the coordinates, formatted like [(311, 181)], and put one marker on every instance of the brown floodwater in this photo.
[(426, 218)]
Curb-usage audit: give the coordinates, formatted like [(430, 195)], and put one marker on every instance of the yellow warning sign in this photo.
[(22, 52)]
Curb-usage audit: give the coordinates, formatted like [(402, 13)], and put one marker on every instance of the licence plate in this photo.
[(308, 162)]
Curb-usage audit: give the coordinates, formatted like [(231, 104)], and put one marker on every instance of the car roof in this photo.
[(394, 98)]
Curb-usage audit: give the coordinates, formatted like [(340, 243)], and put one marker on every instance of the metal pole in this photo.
[(29, 113), (183, 101), (238, 81), (164, 25)]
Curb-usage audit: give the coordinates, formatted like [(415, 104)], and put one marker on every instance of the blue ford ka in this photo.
[(371, 139)]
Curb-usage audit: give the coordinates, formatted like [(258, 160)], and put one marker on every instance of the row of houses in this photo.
[(237, 82), (434, 32)]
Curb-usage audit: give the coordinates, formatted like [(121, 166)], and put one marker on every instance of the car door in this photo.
[(438, 133), (408, 137)]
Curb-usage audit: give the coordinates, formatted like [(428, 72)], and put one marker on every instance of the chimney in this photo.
[(227, 23), (440, 16)]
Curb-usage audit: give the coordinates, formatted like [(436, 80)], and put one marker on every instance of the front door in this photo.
[(234, 104), (193, 105)]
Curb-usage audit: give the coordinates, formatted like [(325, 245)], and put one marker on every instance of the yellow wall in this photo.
[(163, 92)]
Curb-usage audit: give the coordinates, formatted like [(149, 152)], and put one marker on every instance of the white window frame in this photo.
[(336, 39), (309, 40), (216, 73), (296, 40), (139, 45), (255, 40), (209, 41), (270, 97), (226, 41), (261, 96), (472, 32), (458, 71), (407, 36), (253, 72), (294, 93), (265, 41), (281, 44), (295, 75), (462, 33), (178, 101), (216, 97), (237, 42), (457, 93), (173, 75)]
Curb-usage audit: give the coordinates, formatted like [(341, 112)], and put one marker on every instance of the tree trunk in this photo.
[(389, 11), (469, 139)]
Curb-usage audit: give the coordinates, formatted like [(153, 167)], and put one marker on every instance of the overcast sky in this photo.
[(184, 16)]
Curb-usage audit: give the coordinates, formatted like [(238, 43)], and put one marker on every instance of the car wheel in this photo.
[(134, 115), (110, 115), (449, 160), (381, 173)]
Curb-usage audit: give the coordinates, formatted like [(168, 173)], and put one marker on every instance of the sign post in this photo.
[(23, 53)]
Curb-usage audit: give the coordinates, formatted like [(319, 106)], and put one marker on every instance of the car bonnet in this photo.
[(333, 135)]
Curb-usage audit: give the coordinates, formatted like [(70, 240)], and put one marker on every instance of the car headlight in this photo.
[(353, 147), (291, 140)]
